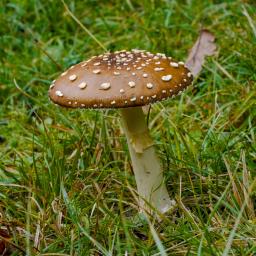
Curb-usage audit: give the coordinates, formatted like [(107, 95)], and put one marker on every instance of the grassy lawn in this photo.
[(66, 182)]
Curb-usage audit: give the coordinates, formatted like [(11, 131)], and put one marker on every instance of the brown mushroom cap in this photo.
[(121, 79)]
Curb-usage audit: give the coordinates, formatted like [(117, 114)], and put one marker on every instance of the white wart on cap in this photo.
[(119, 80)]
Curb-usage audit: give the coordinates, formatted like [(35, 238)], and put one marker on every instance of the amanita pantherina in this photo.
[(128, 80)]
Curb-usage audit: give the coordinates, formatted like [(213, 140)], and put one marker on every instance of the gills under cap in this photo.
[(119, 80)]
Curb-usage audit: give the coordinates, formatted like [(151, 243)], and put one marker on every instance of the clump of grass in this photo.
[(66, 185)]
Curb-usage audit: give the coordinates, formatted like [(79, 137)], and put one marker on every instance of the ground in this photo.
[(66, 182)]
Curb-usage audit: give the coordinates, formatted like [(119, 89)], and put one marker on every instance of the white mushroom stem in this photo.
[(146, 165)]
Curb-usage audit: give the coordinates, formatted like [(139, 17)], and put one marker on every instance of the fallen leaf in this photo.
[(204, 46), (4, 238)]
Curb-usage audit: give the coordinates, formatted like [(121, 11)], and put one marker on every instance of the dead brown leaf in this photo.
[(4, 238), (204, 46)]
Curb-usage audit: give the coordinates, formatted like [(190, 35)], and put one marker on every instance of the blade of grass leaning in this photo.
[(156, 238), (74, 217), (83, 27), (233, 231), (250, 20)]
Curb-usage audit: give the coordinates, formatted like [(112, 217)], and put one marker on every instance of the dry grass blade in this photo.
[(83, 27), (204, 46), (242, 190), (250, 20), (246, 189), (235, 187)]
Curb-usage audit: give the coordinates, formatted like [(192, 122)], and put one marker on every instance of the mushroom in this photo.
[(128, 80)]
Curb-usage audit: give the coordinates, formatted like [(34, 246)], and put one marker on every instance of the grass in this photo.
[(66, 183)]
